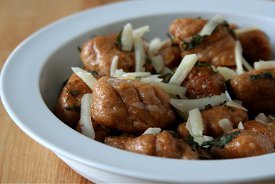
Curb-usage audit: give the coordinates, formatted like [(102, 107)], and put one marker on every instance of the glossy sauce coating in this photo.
[(212, 116), (255, 44), (246, 144), (130, 106), (97, 55), (257, 95), (217, 49), (202, 82), (68, 105)]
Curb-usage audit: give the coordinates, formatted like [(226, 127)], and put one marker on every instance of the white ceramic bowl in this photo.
[(33, 74)]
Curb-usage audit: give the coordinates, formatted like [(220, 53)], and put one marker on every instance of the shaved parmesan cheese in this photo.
[(172, 89), (261, 117), (157, 63), (211, 25), (165, 70), (226, 125), (118, 73), (236, 105), (152, 131), (135, 75), (114, 66), (264, 65), (87, 77), (243, 30), (139, 55), (226, 72), (184, 68), (202, 139), (185, 105), (85, 117), (240, 125), (127, 37), (151, 78), (194, 123), (156, 44), (238, 57), (228, 96), (139, 32)]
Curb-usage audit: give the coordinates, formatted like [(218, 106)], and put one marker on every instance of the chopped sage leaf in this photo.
[(148, 59), (166, 77), (79, 48), (93, 72), (203, 64), (64, 83), (118, 40), (230, 31), (208, 106), (266, 75), (223, 140), (74, 92), (190, 140), (170, 37), (173, 133), (72, 108), (196, 40)]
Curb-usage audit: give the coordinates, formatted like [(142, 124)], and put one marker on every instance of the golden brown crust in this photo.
[(203, 82), (257, 95), (130, 106), (217, 49), (67, 108), (246, 144), (255, 45), (97, 55), (212, 116)]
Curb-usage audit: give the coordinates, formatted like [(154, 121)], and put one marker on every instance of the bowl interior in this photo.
[(57, 68)]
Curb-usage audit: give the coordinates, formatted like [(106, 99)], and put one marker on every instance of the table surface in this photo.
[(22, 160)]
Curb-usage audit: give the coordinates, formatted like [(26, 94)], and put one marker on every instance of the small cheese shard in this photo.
[(239, 58), (194, 123), (185, 105), (152, 131), (85, 117), (264, 65), (226, 125), (127, 37), (211, 25), (184, 68), (114, 66), (87, 77)]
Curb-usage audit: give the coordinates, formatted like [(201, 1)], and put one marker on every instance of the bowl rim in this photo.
[(124, 163)]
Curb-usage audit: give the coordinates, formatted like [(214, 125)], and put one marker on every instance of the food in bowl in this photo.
[(192, 96)]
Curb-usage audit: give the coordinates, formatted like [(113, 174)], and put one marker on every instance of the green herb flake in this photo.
[(93, 72), (173, 133), (118, 40), (196, 40), (64, 83), (79, 48), (190, 140), (74, 92), (208, 106), (203, 64), (170, 37), (148, 60), (72, 108), (223, 140), (230, 31), (266, 75), (166, 77)]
